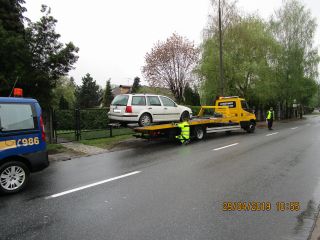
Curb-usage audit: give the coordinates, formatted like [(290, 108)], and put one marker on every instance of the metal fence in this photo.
[(84, 124)]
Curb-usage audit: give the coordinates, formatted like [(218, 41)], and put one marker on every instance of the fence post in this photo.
[(77, 124), (51, 128)]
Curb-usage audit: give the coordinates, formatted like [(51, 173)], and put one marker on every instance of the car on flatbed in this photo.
[(22, 142), (146, 109)]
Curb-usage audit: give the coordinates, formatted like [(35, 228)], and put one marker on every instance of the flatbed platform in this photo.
[(193, 122)]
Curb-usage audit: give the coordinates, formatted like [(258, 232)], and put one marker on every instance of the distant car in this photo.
[(22, 142), (146, 109)]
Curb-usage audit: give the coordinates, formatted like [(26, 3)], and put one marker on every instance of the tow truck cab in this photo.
[(239, 111)]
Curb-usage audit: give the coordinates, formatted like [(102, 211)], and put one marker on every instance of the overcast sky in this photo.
[(114, 35)]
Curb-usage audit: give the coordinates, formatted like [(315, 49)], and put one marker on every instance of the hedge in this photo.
[(89, 119)]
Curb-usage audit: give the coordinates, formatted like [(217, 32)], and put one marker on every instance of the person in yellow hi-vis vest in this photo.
[(270, 118), (184, 136)]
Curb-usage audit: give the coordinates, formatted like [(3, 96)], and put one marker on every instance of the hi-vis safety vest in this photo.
[(270, 115), (185, 129)]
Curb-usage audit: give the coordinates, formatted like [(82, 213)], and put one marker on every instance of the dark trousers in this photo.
[(270, 122)]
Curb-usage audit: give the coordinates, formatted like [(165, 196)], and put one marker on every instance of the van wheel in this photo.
[(185, 116), (199, 133), (145, 120), (13, 177)]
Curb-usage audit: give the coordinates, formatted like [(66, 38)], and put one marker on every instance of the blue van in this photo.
[(22, 142)]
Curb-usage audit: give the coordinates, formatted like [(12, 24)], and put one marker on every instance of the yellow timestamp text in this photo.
[(255, 206)]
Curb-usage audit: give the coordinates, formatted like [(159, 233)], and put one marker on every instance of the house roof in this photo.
[(125, 86)]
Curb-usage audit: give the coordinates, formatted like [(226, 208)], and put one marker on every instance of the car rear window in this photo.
[(120, 100), (154, 101), (14, 117), (138, 101)]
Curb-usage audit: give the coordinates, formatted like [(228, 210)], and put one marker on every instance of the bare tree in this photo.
[(170, 64)]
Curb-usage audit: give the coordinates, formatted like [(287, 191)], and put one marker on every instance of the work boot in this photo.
[(186, 142)]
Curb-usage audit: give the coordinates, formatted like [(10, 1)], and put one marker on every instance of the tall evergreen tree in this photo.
[(63, 103), (33, 54), (191, 96), (107, 97), (136, 85), (14, 53), (89, 92)]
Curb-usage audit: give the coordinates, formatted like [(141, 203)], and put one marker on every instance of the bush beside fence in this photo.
[(89, 119)]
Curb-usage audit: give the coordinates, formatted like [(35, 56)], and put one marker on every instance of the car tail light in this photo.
[(128, 109), (43, 134)]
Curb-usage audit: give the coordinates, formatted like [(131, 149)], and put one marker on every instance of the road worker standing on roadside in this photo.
[(270, 118), (184, 136)]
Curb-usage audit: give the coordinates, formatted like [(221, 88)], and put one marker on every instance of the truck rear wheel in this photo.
[(14, 176), (199, 133)]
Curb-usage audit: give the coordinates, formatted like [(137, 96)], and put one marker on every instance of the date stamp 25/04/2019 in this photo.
[(255, 206)]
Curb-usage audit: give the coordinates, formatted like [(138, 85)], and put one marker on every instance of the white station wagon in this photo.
[(146, 109)]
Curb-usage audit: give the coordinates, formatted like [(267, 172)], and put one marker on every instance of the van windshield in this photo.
[(120, 100)]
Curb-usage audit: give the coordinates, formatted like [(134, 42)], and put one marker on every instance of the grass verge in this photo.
[(55, 148), (107, 143)]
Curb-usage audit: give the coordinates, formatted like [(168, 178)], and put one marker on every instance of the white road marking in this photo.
[(92, 185), (294, 128), (234, 144), (272, 134)]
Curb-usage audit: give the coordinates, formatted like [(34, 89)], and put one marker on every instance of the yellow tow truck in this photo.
[(228, 114)]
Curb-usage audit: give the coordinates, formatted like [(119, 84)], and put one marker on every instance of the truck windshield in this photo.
[(120, 100)]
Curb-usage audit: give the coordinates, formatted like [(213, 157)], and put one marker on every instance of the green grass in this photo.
[(106, 143), (55, 148), (91, 134)]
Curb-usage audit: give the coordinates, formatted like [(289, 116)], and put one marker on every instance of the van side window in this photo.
[(15, 117), (154, 101)]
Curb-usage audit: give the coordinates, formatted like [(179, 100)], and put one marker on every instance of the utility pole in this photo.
[(221, 62)]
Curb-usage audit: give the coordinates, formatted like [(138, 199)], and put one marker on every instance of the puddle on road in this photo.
[(307, 217)]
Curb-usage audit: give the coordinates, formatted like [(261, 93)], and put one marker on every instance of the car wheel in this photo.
[(13, 177), (145, 120), (199, 133), (185, 116)]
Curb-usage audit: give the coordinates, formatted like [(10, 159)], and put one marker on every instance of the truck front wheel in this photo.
[(251, 127)]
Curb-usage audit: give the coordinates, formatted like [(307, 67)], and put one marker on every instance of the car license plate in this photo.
[(117, 110)]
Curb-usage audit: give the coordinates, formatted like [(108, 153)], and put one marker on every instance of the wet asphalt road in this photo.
[(178, 191)]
